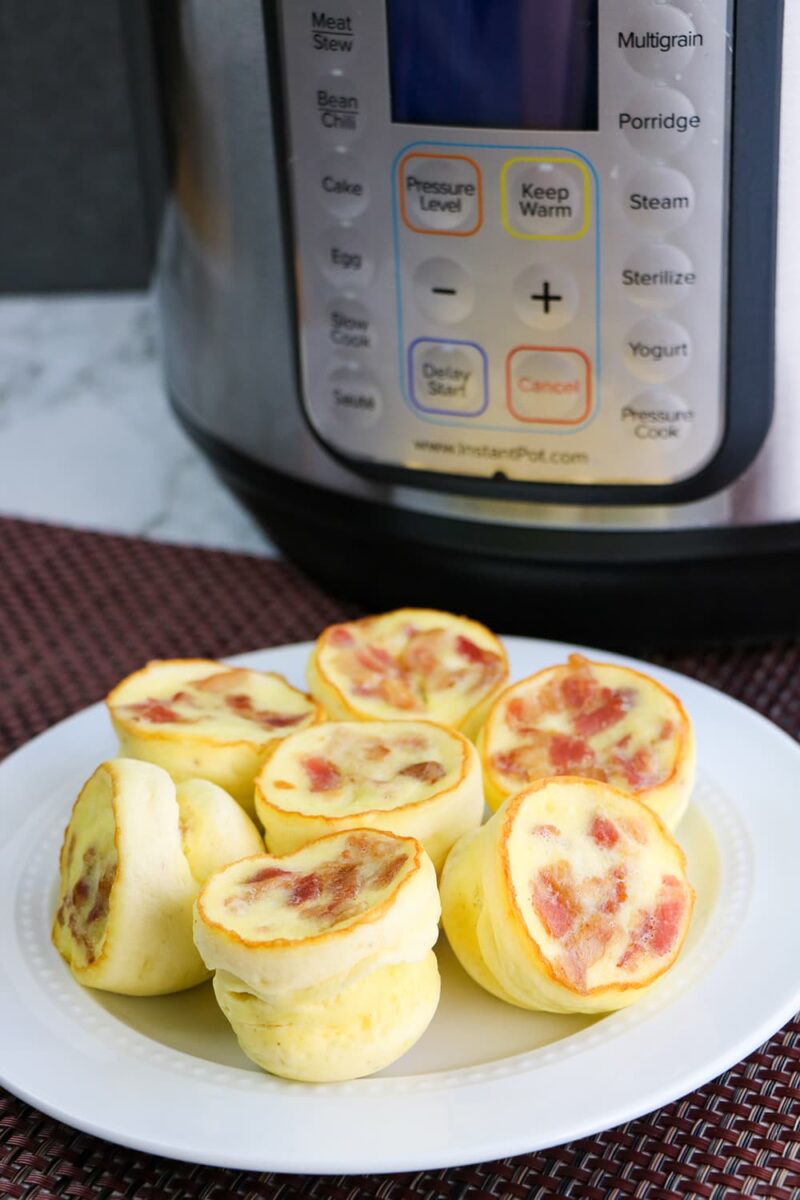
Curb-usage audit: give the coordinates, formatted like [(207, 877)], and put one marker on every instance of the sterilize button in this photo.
[(448, 378), (658, 421), (659, 122), (350, 326), (353, 398), (440, 193), (333, 33), (657, 350), (656, 277), (546, 297), (545, 198), (343, 185), (659, 40), (344, 258), (548, 386), (338, 110), (659, 199), (443, 290)]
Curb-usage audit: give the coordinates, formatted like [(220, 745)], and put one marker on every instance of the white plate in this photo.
[(487, 1080)]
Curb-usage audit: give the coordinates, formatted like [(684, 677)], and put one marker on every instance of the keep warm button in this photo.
[(549, 386)]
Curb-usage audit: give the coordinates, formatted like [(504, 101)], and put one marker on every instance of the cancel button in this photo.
[(657, 419)]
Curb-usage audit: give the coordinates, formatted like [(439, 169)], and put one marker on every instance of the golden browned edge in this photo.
[(368, 918), (681, 739), (165, 735), (516, 913), (365, 622), (376, 812), (110, 769)]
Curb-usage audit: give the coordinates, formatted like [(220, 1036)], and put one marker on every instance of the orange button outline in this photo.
[(439, 232), (549, 350)]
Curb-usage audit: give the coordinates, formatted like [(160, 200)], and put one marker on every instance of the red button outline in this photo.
[(549, 350)]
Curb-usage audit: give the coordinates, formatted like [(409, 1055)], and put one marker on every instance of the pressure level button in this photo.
[(659, 199), (659, 122), (657, 350), (659, 40), (440, 193)]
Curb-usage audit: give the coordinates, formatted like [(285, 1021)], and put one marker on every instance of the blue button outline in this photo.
[(447, 412)]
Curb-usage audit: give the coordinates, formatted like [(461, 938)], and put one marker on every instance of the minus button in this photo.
[(443, 290)]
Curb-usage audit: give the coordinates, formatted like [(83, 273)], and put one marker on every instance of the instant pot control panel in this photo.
[(510, 233)]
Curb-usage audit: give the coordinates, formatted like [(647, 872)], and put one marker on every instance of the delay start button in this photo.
[(448, 378), (548, 386), (441, 193)]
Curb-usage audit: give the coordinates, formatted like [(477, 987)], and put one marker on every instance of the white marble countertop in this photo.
[(86, 434)]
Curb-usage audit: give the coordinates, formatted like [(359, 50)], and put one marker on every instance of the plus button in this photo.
[(546, 298)]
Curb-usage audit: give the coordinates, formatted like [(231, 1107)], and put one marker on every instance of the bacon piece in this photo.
[(341, 883), (422, 653), (522, 713), (474, 653), (323, 775), (375, 751), (548, 832), (266, 875), (579, 686), (80, 892), (375, 658), (603, 832), (244, 706), (154, 710), (613, 706), (585, 947), (305, 888), (340, 635), (657, 931), (426, 772), (569, 754), (530, 761), (554, 899), (397, 693), (388, 870), (222, 681), (666, 731), (639, 769), (101, 903), (635, 829)]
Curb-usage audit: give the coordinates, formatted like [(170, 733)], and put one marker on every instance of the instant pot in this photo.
[(492, 304)]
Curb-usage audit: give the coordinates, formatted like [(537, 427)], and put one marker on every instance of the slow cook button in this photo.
[(350, 326), (338, 110), (343, 185), (657, 350), (659, 122), (448, 378), (656, 277), (548, 387), (659, 199), (344, 258), (659, 420), (659, 40), (441, 193), (354, 400)]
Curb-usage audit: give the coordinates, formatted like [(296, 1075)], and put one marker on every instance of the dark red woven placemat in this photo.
[(77, 611)]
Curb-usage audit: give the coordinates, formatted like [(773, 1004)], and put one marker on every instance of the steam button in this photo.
[(659, 199), (657, 350)]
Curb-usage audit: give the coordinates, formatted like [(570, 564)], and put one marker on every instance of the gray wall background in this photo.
[(73, 170)]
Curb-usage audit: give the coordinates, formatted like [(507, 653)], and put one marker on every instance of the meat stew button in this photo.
[(549, 387)]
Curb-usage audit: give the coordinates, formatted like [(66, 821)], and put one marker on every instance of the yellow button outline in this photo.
[(546, 237)]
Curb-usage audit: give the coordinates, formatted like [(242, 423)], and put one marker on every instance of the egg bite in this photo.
[(412, 778), (595, 720), (202, 719), (324, 958), (572, 898), (126, 894), (406, 665), (214, 829)]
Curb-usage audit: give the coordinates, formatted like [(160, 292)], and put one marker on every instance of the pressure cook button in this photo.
[(659, 122), (545, 198), (548, 387), (338, 109), (343, 185), (333, 33), (657, 420), (659, 199), (657, 350), (546, 297), (443, 290), (656, 277), (353, 399), (344, 258), (448, 378), (350, 326), (440, 193), (659, 40)]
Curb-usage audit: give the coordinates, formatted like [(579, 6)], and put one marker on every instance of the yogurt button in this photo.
[(657, 350), (656, 277)]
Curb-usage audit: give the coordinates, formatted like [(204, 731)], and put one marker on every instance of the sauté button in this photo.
[(656, 277), (440, 193), (354, 399), (338, 109), (343, 185), (657, 350), (546, 297), (658, 421), (449, 378), (344, 258), (333, 32), (443, 290), (659, 122), (659, 40), (548, 387), (545, 198), (350, 326), (659, 199)]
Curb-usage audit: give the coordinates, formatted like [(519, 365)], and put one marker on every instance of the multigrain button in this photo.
[(657, 350), (659, 199), (548, 386), (659, 122), (353, 398), (659, 40), (448, 378), (657, 420), (338, 110), (343, 185), (441, 193), (443, 290), (656, 277), (545, 297), (344, 258), (350, 326), (545, 198)]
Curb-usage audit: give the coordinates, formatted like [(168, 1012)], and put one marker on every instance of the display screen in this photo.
[(501, 64)]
